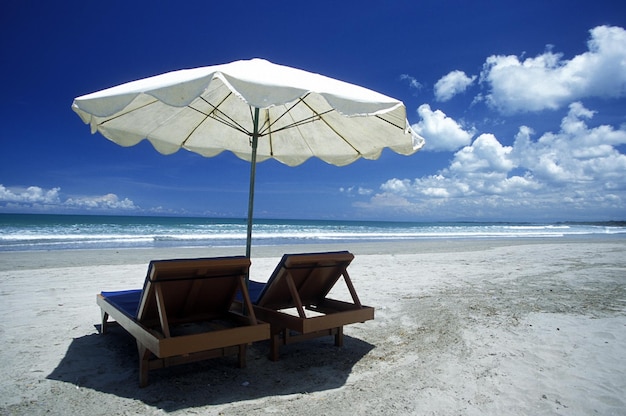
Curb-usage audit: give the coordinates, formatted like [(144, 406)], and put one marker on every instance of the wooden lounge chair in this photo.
[(294, 300), (183, 312)]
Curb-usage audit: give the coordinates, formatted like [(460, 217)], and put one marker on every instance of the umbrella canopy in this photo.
[(255, 109)]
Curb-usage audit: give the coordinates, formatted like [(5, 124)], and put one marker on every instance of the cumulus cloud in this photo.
[(576, 168), (485, 154), (548, 81), (30, 195), (442, 133), (577, 155), (37, 198), (108, 201), (454, 83)]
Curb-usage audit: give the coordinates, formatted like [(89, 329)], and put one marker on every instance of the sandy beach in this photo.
[(462, 327)]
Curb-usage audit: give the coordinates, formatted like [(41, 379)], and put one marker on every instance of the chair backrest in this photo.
[(314, 275), (192, 287)]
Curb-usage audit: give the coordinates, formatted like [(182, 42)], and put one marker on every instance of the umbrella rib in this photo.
[(307, 120), (331, 127), (269, 126), (269, 132), (220, 116), (387, 121), (127, 112), (315, 117)]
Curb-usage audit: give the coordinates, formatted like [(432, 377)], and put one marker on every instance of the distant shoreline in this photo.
[(608, 223), (22, 260)]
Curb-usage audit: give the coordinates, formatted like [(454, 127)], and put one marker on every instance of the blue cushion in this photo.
[(125, 300), (254, 290)]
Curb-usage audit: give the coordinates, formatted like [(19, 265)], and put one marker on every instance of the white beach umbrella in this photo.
[(255, 109)]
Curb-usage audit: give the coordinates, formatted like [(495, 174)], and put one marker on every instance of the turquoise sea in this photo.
[(28, 232)]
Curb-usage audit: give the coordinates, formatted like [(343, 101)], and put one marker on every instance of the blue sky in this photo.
[(522, 105)]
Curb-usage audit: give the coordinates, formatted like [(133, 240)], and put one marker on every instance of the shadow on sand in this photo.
[(109, 364)]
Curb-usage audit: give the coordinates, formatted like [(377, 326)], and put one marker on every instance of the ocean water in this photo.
[(25, 232)]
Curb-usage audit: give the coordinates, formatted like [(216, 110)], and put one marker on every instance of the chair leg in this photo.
[(242, 355), (339, 337), (105, 319), (144, 364), (275, 346)]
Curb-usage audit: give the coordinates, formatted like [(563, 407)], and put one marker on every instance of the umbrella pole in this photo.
[(254, 142)]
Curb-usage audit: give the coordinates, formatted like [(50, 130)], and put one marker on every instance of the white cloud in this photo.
[(557, 175), (577, 154), (452, 84), (413, 83), (38, 198), (397, 186), (441, 132), (30, 195), (358, 190), (108, 201), (485, 154), (548, 81)]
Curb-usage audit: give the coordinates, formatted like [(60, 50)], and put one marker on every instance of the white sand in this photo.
[(462, 327)]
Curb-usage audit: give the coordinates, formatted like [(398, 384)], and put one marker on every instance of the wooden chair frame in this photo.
[(184, 313), (302, 282)]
